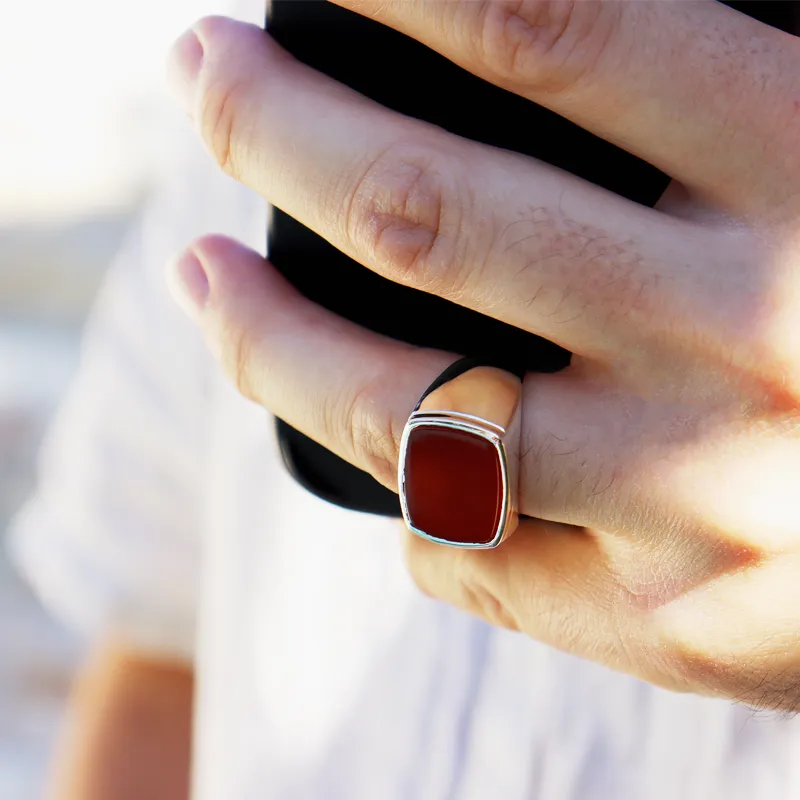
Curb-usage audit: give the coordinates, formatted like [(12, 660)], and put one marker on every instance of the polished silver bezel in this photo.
[(478, 427)]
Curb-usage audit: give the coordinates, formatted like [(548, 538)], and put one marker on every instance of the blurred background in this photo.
[(82, 105)]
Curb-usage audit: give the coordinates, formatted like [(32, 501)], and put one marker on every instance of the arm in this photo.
[(112, 539), (129, 735)]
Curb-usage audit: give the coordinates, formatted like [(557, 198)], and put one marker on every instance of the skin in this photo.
[(662, 466), (483, 392), (129, 731)]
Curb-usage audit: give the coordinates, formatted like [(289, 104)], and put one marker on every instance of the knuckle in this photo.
[(761, 350), (366, 432), (777, 362), (557, 469), (476, 597), (406, 212), (456, 577), (564, 268), (543, 45), (478, 600), (753, 340)]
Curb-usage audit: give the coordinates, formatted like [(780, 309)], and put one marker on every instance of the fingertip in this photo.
[(212, 270), (231, 267), (188, 282), (184, 63), (203, 41)]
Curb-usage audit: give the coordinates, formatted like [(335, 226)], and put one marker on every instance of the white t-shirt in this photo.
[(163, 511)]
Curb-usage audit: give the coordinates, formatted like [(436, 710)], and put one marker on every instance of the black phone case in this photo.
[(404, 75)]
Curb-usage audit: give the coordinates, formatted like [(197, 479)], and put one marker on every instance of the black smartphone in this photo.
[(366, 56)]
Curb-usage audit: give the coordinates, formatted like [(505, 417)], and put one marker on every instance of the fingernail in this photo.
[(188, 283), (183, 67)]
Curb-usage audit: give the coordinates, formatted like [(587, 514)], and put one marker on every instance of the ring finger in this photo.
[(353, 390)]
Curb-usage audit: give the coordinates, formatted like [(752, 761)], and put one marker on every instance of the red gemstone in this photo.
[(453, 485)]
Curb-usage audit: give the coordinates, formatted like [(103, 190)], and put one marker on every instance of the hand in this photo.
[(663, 466)]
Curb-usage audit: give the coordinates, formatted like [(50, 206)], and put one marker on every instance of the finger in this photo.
[(586, 451), (353, 390), (693, 87), (315, 370), (591, 457), (458, 471), (486, 392), (345, 387), (488, 229), (552, 582)]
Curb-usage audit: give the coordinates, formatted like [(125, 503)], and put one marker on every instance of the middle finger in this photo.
[(492, 230), (721, 84)]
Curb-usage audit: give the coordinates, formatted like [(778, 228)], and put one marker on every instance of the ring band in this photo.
[(459, 458)]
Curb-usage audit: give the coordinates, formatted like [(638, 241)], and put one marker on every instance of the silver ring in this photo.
[(458, 472)]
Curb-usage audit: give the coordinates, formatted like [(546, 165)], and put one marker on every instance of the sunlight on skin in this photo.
[(780, 328), (736, 616), (485, 392), (744, 486)]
